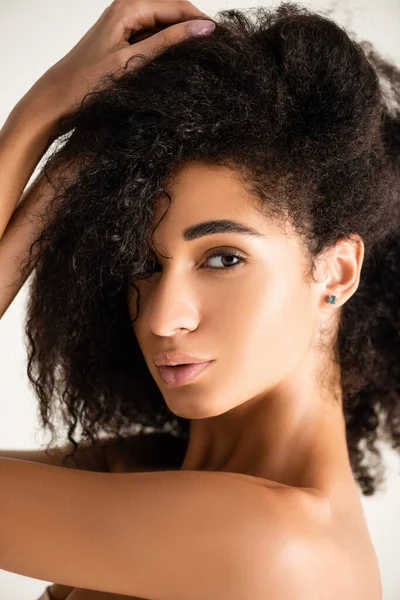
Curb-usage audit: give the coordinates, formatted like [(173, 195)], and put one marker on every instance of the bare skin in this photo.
[(261, 409), (29, 130), (270, 405)]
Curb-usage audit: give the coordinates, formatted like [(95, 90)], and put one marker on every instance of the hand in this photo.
[(106, 47)]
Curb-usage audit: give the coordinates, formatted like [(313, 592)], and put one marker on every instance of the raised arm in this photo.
[(31, 126), (22, 144)]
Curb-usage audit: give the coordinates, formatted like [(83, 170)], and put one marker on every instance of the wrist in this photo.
[(25, 137), (34, 117)]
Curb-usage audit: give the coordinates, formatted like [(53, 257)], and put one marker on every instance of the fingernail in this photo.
[(200, 27)]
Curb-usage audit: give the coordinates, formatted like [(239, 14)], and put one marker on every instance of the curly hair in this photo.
[(310, 120)]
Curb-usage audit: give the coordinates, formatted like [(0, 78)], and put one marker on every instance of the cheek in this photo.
[(264, 329)]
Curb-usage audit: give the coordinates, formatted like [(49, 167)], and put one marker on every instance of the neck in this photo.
[(286, 437)]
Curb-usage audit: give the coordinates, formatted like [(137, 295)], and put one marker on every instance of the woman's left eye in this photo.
[(229, 255)]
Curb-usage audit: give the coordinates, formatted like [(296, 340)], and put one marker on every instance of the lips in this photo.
[(173, 358), (181, 374)]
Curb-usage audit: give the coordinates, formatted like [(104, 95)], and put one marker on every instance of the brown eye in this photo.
[(227, 255)]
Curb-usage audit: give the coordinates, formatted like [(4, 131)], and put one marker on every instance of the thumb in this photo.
[(199, 27)]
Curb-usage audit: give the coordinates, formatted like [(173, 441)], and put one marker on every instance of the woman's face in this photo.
[(255, 319)]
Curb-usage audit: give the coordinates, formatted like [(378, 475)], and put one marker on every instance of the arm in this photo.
[(23, 141), (165, 535), (90, 457)]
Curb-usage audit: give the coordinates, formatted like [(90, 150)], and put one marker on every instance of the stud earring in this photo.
[(331, 299)]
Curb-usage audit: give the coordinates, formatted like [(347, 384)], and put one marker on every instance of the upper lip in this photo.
[(176, 358)]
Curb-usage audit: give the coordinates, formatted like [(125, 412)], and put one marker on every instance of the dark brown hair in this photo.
[(309, 118)]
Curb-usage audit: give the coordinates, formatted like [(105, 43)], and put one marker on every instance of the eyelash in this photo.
[(217, 252), (233, 253)]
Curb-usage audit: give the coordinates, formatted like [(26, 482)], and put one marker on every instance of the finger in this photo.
[(135, 15), (156, 43)]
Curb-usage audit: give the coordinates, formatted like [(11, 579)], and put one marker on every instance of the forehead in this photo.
[(200, 193), (204, 198)]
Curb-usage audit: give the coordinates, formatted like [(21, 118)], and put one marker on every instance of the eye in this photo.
[(153, 266), (230, 255)]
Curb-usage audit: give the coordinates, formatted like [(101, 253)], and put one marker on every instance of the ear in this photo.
[(343, 263)]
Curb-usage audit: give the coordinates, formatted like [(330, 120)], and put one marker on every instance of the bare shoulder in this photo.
[(141, 531), (318, 551), (290, 527), (230, 534)]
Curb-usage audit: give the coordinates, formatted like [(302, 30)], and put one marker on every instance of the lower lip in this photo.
[(183, 374)]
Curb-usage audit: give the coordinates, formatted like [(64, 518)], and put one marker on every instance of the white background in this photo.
[(34, 34)]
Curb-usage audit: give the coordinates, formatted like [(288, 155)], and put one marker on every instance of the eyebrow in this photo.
[(218, 226)]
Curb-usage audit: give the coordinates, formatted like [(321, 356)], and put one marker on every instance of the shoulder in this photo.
[(296, 544), (288, 538), (310, 550), (228, 533)]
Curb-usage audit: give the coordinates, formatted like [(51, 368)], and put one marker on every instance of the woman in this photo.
[(222, 202)]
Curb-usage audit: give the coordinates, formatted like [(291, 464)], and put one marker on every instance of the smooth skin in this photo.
[(270, 403), (282, 496)]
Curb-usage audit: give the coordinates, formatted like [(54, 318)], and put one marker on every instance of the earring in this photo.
[(331, 299)]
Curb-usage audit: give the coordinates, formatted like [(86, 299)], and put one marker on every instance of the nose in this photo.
[(173, 305)]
